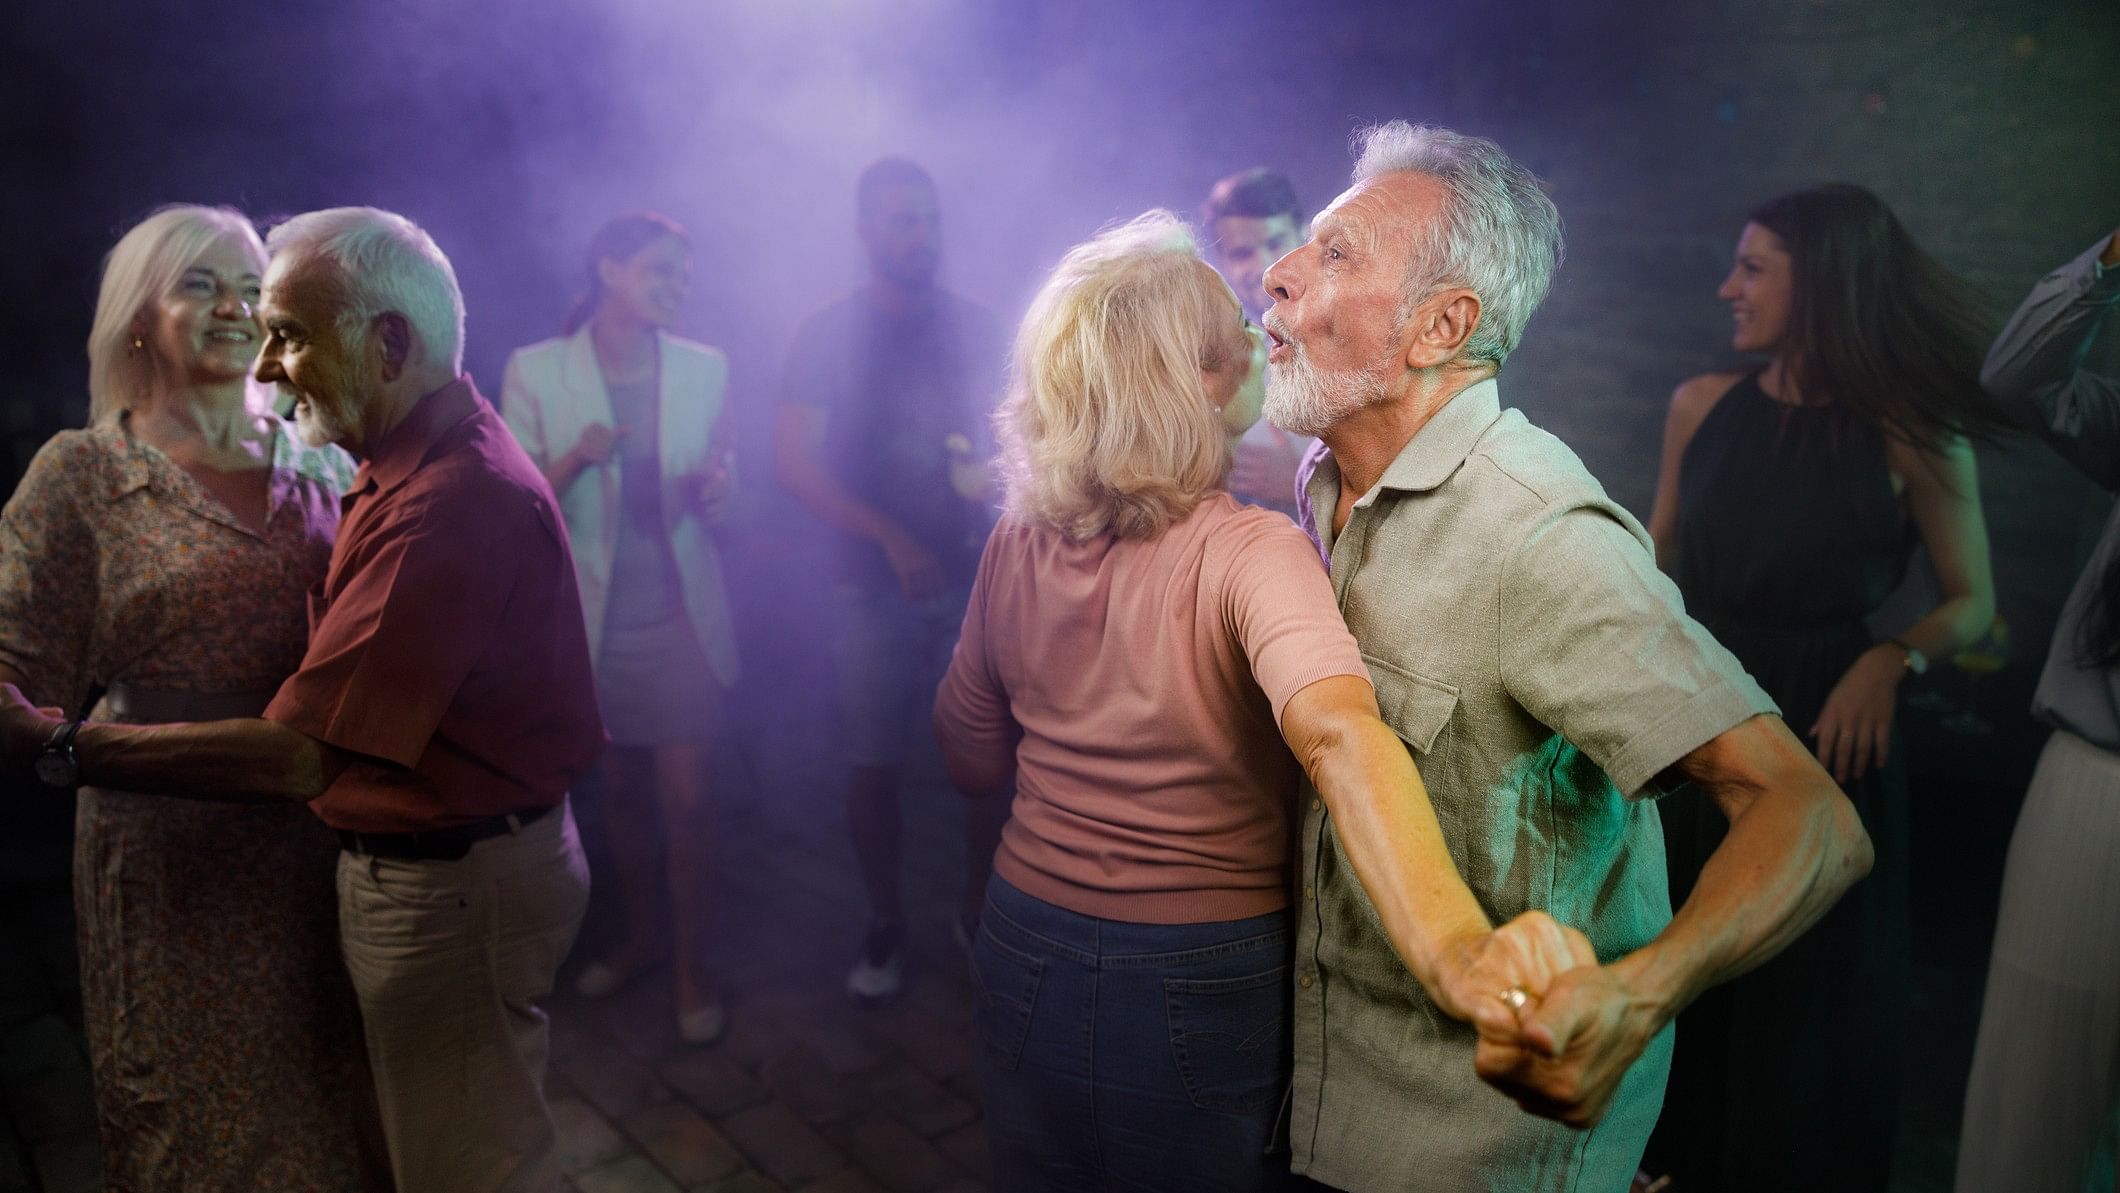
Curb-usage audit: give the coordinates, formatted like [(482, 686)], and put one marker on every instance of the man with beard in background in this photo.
[(1251, 220), (883, 433)]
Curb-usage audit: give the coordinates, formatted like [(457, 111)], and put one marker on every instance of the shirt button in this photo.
[(1316, 803), (1304, 981), (1310, 892)]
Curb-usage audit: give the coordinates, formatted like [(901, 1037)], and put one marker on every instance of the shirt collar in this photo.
[(1436, 450), (407, 445)]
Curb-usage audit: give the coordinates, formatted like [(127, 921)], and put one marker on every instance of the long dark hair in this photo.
[(618, 240), (1876, 326)]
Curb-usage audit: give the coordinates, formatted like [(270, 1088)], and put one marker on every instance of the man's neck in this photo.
[(396, 403), (898, 298), (1365, 443)]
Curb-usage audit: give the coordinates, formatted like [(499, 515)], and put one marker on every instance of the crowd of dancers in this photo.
[(1357, 797)]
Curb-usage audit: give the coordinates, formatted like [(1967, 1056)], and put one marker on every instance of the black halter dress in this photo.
[(1789, 537)]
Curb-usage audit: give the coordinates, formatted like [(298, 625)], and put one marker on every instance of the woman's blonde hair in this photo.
[(141, 267), (1107, 428)]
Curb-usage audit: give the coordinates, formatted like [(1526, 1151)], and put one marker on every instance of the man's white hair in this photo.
[(386, 263), (1498, 235)]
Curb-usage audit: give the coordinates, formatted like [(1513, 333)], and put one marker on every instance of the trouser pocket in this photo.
[(1004, 991), (1228, 1036)]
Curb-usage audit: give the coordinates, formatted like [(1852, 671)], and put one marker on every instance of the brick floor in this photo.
[(805, 1091)]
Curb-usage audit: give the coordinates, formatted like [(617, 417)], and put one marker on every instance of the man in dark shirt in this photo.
[(443, 708), (883, 433)]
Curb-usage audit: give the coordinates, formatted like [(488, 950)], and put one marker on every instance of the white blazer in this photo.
[(554, 389)]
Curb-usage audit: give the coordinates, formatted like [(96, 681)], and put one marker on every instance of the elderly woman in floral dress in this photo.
[(157, 562)]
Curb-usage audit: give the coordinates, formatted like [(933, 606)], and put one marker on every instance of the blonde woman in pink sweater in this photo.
[(1154, 669)]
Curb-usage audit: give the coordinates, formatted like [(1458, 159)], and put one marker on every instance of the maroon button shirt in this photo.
[(446, 643)]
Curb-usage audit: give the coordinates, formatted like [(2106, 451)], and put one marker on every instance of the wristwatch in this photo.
[(1917, 662), (57, 766)]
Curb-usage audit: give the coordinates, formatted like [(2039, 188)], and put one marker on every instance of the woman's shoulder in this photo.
[(692, 349), (77, 463), (1227, 526), (540, 353), (80, 453), (1698, 394), (1693, 400)]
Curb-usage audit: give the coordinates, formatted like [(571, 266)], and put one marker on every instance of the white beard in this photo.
[(1306, 400)]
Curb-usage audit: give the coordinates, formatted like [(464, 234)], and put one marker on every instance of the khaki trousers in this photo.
[(449, 960)]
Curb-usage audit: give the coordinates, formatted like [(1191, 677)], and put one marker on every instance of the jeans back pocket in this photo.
[(1228, 1037), (1004, 992)]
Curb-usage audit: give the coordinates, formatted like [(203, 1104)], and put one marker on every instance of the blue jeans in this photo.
[(1148, 1057), (891, 654)]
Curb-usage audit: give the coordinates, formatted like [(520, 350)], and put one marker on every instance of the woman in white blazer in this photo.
[(623, 418)]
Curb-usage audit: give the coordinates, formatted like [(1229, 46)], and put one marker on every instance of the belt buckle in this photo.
[(441, 847)]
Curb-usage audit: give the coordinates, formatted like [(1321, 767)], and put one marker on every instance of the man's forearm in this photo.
[(1794, 846), (838, 509), (250, 757)]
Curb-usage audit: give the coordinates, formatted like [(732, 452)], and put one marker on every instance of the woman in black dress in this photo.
[(1788, 503)]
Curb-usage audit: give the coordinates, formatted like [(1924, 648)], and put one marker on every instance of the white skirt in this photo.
[(2042, 1111)]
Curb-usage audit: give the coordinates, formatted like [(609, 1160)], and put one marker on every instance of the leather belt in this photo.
[(438, 844)]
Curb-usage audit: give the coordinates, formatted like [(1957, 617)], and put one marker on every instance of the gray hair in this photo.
[(386, 263), (1498, 234)]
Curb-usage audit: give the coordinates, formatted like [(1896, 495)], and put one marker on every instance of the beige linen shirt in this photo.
[(1544, 673)]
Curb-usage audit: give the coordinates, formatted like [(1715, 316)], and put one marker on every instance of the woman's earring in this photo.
[(138, 343)]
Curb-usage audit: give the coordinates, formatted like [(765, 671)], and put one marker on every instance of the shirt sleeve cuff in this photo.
[(342, 733), (1708, 714)]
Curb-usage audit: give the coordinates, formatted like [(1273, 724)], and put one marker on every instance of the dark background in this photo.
[(510, 131)]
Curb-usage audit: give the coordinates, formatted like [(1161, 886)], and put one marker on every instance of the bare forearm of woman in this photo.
[(1951, 626), (208, 760), (563, 472), (1381, 812)]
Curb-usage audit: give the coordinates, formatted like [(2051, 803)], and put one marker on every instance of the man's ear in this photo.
[(393, 337), (1443, 323)]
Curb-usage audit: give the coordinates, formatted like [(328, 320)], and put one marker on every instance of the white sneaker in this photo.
[(702, 1025), (598, 981), (880, 970)]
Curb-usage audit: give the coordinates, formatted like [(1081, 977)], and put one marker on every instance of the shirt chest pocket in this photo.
[(1415, 706)]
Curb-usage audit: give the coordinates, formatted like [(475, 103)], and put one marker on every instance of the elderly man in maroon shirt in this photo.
[(443, 709)]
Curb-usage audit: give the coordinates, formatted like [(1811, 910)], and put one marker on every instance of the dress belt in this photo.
[(131, 704), (437, 844)]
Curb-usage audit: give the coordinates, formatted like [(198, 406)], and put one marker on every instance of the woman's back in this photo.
[(1147, 678)]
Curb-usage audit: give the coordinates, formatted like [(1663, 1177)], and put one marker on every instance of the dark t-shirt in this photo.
[(898, 392)]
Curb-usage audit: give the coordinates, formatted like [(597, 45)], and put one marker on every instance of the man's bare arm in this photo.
[(797, 435), (206, 760), (1795, 845)]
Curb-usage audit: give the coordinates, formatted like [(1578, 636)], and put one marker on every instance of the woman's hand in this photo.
[(1476, 972), (24, 727), (1854, 729), (596, 444), (711, 490)]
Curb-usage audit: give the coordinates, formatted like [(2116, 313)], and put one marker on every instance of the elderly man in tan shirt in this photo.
[(1523, 643)]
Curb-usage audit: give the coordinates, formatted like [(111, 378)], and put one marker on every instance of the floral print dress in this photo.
[(222, 1030)]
